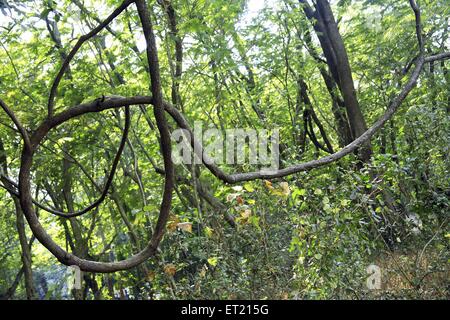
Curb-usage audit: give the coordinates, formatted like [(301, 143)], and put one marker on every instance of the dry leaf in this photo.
[(170, 269), (285, 188), (268, 184), (185, 226), (246, 213), (151, 276), (232, 196), (173, 223)]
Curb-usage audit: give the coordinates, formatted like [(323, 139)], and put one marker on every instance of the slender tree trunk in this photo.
[(337, 59), (20, 225)]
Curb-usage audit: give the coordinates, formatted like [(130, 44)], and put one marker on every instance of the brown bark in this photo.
[(337, 59)]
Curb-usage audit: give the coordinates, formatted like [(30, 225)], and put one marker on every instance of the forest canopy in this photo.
[(244, 149)]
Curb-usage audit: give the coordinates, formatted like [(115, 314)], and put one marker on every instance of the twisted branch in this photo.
[(160, 107), (71, 55), (108, 183)]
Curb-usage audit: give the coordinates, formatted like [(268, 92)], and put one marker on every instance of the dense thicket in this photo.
[(91, 91)]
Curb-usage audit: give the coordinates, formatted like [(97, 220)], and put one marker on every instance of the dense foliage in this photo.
[(230, 64)]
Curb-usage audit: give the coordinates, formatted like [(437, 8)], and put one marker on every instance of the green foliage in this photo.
[(308, 236)]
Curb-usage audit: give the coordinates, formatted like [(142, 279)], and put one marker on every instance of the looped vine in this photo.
[(160, 107)]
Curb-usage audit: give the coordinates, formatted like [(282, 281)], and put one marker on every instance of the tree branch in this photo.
[(419, 35), (80, 42), (108, 182)]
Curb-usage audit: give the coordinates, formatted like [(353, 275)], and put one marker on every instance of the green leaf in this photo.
[(213, 261), (249, 187)]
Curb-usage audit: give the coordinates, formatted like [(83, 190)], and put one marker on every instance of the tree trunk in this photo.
[(20, 224), (337, 59)]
